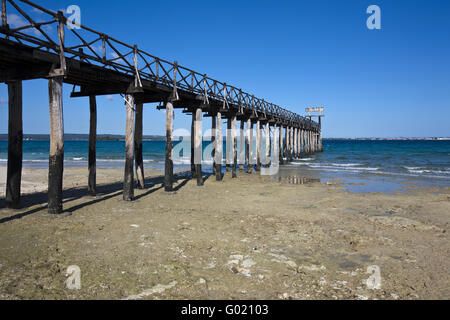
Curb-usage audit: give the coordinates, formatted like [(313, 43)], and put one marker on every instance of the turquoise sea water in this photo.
[(413, 160)]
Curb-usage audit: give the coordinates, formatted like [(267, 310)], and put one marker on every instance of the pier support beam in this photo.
[(291, 144), (241, 147), (56, 157), (295, 143), (92, 157), (301, 143), (267, 150), (286, 143), (276, 148), (320, 135), (219, 147), (15, 138), (213, 142), (234, 146), (280, 149), (309, 142), (128, 179), (168, 168), (258, 146), (229, 146), (198, 146), (138, 157), (193, 170), (248, 145)]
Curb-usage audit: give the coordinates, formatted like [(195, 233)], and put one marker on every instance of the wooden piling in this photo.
[(276, 148), (320, 134), (229, 146), (295, 142), (248, 146), (286, 143), (301, 143), (213, 142), (92, 157), (15, 138), (56, 157), (242, 147), (138, 157), (267, 150), (219, 147), (258, 146), (193, 170), (128, 179), (280, 147), (234, 147), (198, 146), (168, 168)]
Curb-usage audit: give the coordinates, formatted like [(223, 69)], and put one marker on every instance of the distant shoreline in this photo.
[(114, 137)]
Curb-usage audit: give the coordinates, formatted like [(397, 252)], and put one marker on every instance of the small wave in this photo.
[(429, 171), (412, 168), (339, 168), (346, 164), (299, 163), (306, 159)]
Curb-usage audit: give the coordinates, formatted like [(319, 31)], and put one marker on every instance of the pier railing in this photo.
[(27, 23)]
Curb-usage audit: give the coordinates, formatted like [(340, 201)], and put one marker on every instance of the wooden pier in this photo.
[(65, 55)]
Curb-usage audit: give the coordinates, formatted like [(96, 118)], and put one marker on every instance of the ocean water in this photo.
[(426, 161)]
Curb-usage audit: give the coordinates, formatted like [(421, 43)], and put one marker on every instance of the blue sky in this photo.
[(384, 83)]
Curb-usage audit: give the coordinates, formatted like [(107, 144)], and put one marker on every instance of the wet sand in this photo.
[(245, 238)]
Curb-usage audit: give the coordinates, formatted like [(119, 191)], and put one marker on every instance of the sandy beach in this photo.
[(245, 238)]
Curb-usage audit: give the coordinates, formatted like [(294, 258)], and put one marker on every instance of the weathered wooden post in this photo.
[(276, 148), (301, 143), (286, 143), (305, 137), (313, 140), (15, 138), (228, 146), (213, 142), (310, 142), (242, 147), (248, 145), (168, 168), (198, 145), (308, 151), (295, 143), (258, 145), (56, 157), (267, 151), (92, 157), (193, 170), (234, 148), (280, 149), (138, 157), (320, 135), (4, 17), (128, 180), (306, 141), (219, 146)]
